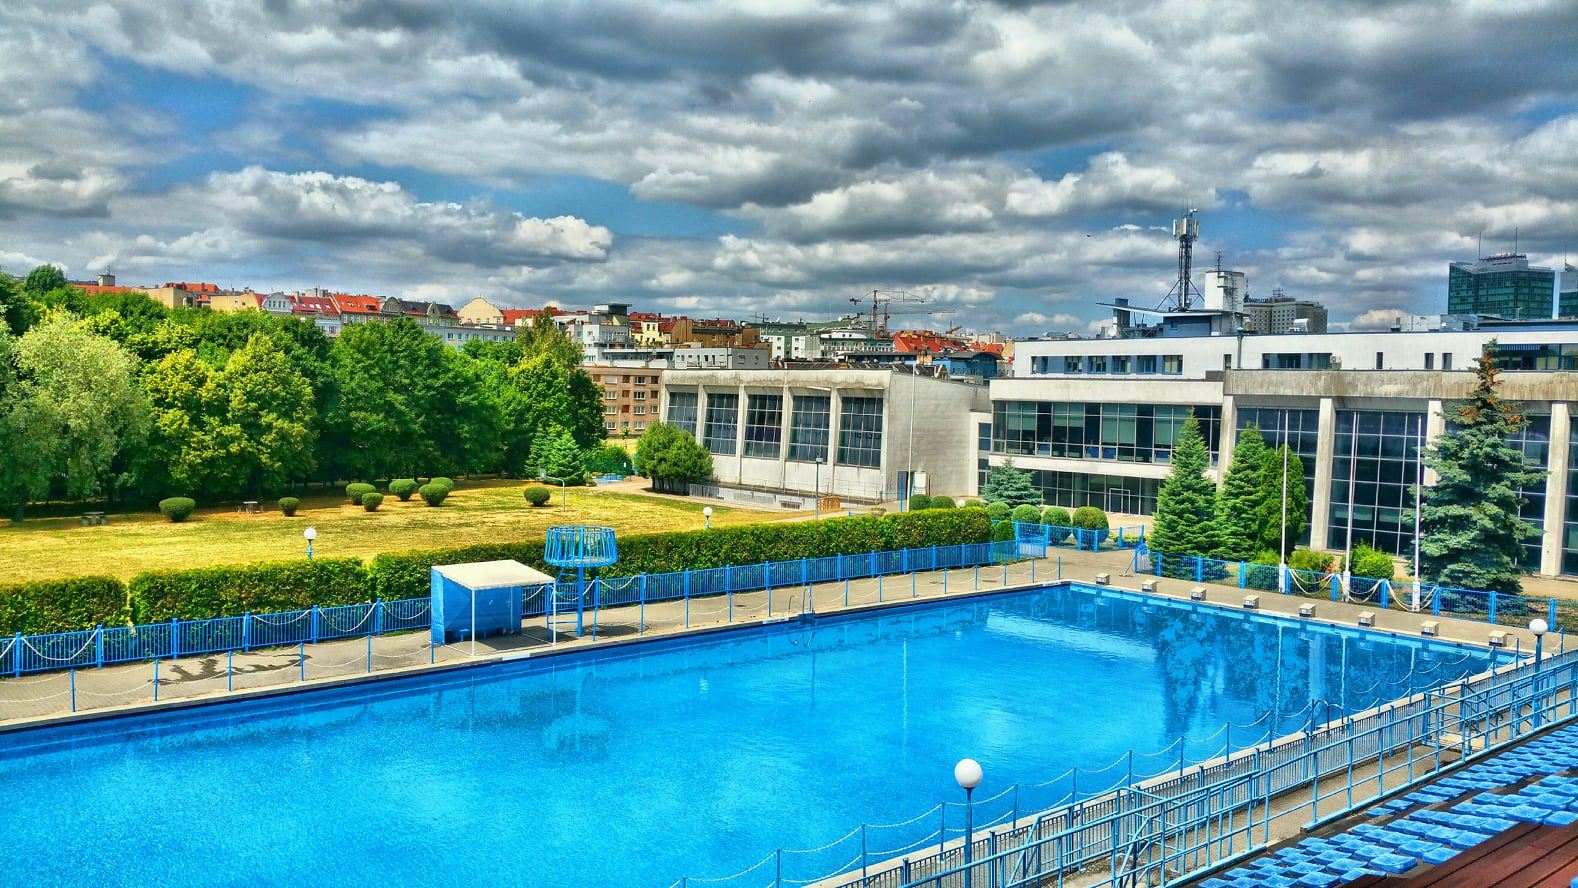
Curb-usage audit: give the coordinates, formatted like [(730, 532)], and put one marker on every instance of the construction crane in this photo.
[(882, 310)]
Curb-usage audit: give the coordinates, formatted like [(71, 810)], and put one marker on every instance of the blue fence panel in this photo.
[(665, 586), (823, 570), (407, 614), (617, 591), (286, 627), (1262, 577), (209, 636), (747, 577), (345, 621), (62, 650), (126, 643), (786, 573)]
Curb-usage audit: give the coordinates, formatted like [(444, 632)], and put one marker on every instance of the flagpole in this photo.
[(1419, 485), (1353, 462), (1282, 553)]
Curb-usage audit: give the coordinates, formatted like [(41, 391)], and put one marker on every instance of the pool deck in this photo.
[(116, 690)]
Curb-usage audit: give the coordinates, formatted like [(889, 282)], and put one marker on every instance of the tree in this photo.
[(263, 419), (176, 456), (1185, 520), (43, 280), (1472, 535), (27, 444), (1273, 482), (16, 310), (671, 458), (556, 454), (1006, 484), (80, 397), (1238, 505), (394, 389)]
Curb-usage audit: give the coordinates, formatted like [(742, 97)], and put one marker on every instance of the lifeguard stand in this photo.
[(573, 549)]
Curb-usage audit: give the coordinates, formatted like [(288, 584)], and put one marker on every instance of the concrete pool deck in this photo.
[(116, 690)]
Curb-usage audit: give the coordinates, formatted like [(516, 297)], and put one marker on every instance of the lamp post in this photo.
[(706, 514), (563, 496), (818, 497), (1539, 627), (309, 535), (968, 775)]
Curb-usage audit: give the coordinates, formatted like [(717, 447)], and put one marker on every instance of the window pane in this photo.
[(723, 423), (808, 427), (764, 420), (860, 432)]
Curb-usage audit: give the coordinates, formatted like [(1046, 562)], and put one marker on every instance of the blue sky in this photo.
[(1016, 162)]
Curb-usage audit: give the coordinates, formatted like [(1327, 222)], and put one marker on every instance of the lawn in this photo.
[(477, 512)]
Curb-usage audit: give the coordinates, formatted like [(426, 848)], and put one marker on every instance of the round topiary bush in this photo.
[(538, 495), (356, 490), (371, 501), (1027, 513), (447, 483), (289, 505), (1057, 516), (1089, 518), (177, 508), (1003, 532), (1372, 563), (919, 501), (999, 511), (403, 488), (941, 502), (432, 494)]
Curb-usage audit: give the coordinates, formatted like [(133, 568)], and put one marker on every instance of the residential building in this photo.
[(632, 393), (1284, 314), (712, 333), (231, 302), (1503, 286), (861, 435), (1567, 293), (480, 311), (105, 283), (756, 358), (181, 294)]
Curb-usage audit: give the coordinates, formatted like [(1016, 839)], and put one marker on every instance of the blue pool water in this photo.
[(655, 761)]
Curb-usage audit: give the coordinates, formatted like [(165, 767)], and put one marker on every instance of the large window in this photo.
[(1382, 460), (1534, 442), (764, 425), (808, 427), (860, 432), (1300, 429), (723, 423), (1110, 493), (682, 411), (1122, 432)]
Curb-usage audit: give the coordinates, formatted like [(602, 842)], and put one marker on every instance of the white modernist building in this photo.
[(1094, 420), (862, 435)]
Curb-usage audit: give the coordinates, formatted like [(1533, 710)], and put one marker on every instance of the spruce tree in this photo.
[(1238, 505), (1006, 484), (1473, 537), (1272, 485), (1185, 520)]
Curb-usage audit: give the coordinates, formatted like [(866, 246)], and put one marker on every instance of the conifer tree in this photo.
[(1006, 484), (1238, 512), (1185, 520), (1272, 486), (1473, 537)]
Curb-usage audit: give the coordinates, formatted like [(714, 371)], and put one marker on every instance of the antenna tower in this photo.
[(1187, 231)]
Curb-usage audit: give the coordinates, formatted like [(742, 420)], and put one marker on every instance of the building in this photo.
[(480, 311), (632, 393), (1284, 314), (861, 435), (1567, 293), (1503, 286), (1225, 290), (1094, 421)]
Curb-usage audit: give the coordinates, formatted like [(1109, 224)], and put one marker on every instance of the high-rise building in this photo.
[(1567, 296), (1284, 314), (1502, 286)]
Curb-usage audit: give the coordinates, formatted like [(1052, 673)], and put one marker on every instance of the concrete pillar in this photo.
[(1556, 489), (784, 424), (739, 430), (1228, 439), (1435, 427), (1320, 506)]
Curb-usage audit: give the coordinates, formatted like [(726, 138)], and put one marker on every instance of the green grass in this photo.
[(477, 512)]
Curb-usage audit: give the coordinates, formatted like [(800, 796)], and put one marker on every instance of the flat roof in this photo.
[(493, 574)]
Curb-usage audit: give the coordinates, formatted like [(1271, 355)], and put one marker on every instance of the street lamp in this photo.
[(968, 775), (309, 535), (706, 513), (544, 476), (1539, 627), (818, 496)]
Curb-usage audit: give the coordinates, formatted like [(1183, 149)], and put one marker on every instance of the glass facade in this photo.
[(1105, 364), (1110, 493), (1382, 459), (1303, 435), (682, 411), (1508, 288), (860, 432), (1534, 442), (764, 425), (723, 423), (1524, 356), (808, 427), (1570, 527), (1142, 433)]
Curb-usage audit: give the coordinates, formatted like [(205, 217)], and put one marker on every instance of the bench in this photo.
[(91, 518), (250, 507)]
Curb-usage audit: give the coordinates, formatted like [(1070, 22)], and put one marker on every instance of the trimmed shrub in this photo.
[(371, 501), (1003, 532), (941, 502), (538, 495), (1089, 518), (43, 606), (999, 511), (1308, 559), (877, 511), (433, 494), (177, 508), (403, 488), (1026, 513), (1057, 516), (447, 483), (289, 505), (919, 502), (356, 490), (204, 592), (1372, 563)]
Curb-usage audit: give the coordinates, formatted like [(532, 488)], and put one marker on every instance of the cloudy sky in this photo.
[(1014, 161)]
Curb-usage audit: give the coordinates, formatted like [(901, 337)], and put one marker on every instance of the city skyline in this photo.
[(1017, 162)]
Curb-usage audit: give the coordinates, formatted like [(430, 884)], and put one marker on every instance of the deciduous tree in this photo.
[(671, 457)]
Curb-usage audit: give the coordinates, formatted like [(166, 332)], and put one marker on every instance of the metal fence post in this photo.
[(1060, 566), (16, 655), (728, 597), (642, 625), (378, 616), (945, 581), (98, 645), (1386, 588), (156, 680), (1492, 607), (1199, 569), (230, 671), (301, 658), (369, 655), (175, 638), (246, 631), (879, 588), (315, 624), (73, 690), (1243, 575), (1551, 618)]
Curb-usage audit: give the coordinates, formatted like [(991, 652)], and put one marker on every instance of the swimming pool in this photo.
[(697, 757)]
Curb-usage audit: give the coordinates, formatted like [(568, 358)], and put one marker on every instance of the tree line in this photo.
[(116, 396)]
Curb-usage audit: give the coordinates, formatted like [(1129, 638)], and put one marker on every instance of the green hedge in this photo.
[(203, 592), (45, 606)]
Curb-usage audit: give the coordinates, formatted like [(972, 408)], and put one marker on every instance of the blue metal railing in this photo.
[(108, 645), (1501, 608)]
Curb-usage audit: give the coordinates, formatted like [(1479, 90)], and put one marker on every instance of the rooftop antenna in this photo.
[(1218, 260), (1187, 230)]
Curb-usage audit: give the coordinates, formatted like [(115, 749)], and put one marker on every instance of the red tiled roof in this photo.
[(357, 304)]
